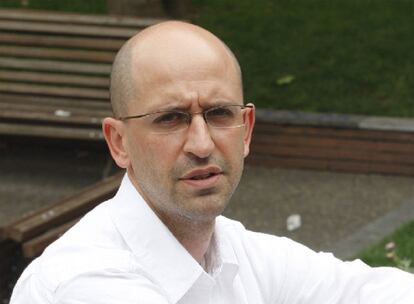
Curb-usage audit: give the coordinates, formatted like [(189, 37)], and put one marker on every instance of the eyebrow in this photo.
[(183, 108)]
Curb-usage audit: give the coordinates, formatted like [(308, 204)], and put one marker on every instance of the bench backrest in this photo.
[(54, 71)]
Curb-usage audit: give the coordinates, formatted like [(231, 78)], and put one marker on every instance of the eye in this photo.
[(220, 112), (172, 117)]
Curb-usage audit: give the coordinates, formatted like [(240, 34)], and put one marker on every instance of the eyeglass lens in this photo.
[(218, 117)]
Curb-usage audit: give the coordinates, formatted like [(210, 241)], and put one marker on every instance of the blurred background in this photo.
[(332, 163)]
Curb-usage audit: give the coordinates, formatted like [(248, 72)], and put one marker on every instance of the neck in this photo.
[(195, 237)]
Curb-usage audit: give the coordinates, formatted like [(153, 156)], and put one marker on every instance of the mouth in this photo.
[(203, 178)]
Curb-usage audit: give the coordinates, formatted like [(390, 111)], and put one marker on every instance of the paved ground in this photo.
[(334, 207), (340, 212), (33, 175)]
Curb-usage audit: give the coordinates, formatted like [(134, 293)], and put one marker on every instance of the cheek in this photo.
[(157, 151), (230, 143)]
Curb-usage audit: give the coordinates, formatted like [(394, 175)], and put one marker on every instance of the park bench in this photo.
[(27, 237), (334, 142), (41, 227), (54, 71)]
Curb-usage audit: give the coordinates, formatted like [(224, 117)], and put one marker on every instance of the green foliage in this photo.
[(82, 6), (403, 254), (348, 56)]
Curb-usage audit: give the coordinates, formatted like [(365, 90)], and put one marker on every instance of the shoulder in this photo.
[(277, 256), (91, 263), (109, 286), (257, 244), (105, 286), (273, 262), (286, 270), (92, 245)]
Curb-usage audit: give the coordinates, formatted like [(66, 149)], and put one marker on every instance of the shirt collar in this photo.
[(225, 251), (159, 253)]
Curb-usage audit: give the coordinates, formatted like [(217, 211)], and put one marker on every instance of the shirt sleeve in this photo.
[(312, 277), (290, 273), (108, 287)]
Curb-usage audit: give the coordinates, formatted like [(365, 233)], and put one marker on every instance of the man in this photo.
[(181, 132)]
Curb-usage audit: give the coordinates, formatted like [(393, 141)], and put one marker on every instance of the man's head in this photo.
[(189, 174), (155, 43)]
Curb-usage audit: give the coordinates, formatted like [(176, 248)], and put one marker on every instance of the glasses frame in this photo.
[(189, 114)]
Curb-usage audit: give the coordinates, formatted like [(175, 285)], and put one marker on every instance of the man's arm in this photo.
[(291, 273), (320, 277)]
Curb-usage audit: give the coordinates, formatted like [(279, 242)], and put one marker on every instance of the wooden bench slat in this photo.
[(349, 153), (333, 142), (22, 129), (61, 17), (35, 246), (54, 90), (54, 109), (49, 53), (50, 78), (33, 100), (103, 43), (66, 29), (335, 165), (261, 128), (54, 71), (65, 210), (55, 66), (50, 117)]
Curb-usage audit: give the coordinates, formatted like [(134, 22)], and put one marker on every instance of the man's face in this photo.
[(190, 174)]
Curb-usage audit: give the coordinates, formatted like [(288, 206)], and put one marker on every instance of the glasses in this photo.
[(220, 117)]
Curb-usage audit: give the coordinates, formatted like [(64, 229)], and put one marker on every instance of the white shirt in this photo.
[(121, 253)]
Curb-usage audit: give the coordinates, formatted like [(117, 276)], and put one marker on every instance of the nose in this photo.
[(198, 142)]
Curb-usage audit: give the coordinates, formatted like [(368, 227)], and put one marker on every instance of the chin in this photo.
[(207, 208)]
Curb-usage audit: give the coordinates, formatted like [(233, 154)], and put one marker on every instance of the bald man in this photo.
[(181, 131)]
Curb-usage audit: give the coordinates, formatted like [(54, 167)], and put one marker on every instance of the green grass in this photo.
[(346, 56), (81, 6), (404, 240)]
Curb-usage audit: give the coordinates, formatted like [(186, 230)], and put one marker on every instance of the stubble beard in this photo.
[(205, 204), (172, 205)]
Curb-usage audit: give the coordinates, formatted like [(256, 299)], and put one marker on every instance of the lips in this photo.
[(204, 173), (203, 177)]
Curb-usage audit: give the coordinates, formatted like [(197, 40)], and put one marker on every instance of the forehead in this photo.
[(183, 66)]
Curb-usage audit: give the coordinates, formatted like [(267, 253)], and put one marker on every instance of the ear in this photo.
[(248, 131), (114, 132)]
